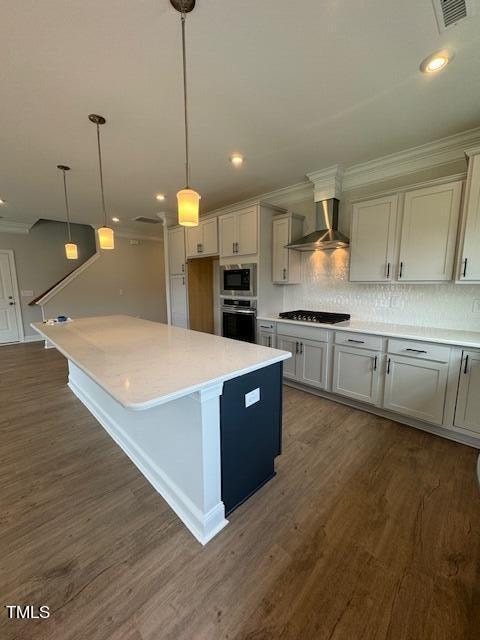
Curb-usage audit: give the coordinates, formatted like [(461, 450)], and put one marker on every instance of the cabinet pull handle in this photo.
[(236, 246), (357, 341), (375, 363), (388, 269), (388, 366), (296, 347), (464, 274), (233, 247), (284, 273), (417, 350), (183, 268), (301, 347), (269, 341), (465, 369), (183, 280), (401, 270)]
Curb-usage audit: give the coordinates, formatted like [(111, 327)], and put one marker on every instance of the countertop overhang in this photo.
[(450, 337), (142, 364)]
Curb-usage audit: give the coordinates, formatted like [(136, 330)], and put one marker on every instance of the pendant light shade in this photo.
[(105, 238), (188, 207), (188, 200), (105, 233), (71, 250)]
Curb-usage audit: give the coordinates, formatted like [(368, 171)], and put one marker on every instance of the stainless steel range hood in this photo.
[(327, 235)]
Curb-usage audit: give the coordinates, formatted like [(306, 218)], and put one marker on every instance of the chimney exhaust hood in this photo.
[(326, 235)]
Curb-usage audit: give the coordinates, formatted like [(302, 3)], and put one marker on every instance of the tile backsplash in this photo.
[(326, 288)]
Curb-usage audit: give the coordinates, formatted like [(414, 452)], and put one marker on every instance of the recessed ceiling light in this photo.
[(236, 159), (2, 201), (160, 197), (115, 219), (436, 62)]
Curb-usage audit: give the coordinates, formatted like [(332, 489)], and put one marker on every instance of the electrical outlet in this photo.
[(476, 306), (252, 397)]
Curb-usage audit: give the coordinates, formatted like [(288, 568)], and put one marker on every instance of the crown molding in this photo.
[(9, 226), (426, 156), (472, 151), (327, 182)]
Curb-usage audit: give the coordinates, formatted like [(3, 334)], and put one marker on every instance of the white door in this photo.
[(287, 343), (470, 253), (279, 253), (467, 413), (372, 241), (193, 240), (312, 364), (247, 232), (265, 339), (429, 232), (178, 301), (176, 251), (210, 237), (9, 329), (227, 234), (416, 388), (356, 374)]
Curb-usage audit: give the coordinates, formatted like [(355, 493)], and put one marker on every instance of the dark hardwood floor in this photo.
[(370, 530)]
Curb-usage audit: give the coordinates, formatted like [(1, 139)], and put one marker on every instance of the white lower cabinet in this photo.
[(467, 413), (356, 374), (265, 338), (309, 362), (178, 302), (415, 387)]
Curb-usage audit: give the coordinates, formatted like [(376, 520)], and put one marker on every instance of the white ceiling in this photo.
[(295, 86)]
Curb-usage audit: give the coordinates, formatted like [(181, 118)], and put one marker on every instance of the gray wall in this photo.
[(40, 259), (128, 280)]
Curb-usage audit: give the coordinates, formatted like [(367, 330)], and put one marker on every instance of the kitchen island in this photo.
[(199, 415)]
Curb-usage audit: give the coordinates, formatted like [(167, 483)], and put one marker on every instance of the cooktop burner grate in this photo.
[(315, 316)]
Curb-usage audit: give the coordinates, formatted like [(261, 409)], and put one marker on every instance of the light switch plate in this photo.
[(252, 397), (26, 293)]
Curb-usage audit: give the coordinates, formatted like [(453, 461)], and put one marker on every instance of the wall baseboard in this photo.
[(35, 338)]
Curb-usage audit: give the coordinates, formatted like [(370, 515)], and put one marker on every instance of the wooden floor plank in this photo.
[(370, 530)]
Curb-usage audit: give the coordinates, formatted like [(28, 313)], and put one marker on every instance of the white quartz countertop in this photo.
[(142, 364), (429, 334)]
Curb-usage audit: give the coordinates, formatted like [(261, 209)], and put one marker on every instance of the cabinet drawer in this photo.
[(300, 331), (266, 326), (424, 350), (360, 340)]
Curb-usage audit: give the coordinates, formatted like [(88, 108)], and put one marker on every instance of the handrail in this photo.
[(52, 291)]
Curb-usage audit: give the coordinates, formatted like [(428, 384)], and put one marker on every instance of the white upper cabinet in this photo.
[(469, 251), (238, 233), (372, 240), (429, 232), (286, 264), (176, 251), (467, 412), (202, 240)]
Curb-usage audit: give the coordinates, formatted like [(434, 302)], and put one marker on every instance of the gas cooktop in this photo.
[(315, 316)]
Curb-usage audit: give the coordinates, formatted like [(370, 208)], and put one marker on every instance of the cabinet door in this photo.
[(266, 339), (416, 388), (467, 413), (429, 232), (176, 251), (312, 364), (372, 241), (469, 252), (356, 374), (209, 239), (247, 232), (281, 234), (227, 234), (287, 343), (178, 301), (193, 237)]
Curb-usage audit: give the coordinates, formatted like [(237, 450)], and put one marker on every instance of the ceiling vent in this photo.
[(148, 220), (450, 12)]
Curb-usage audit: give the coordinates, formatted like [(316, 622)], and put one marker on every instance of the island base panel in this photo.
[(250, 436)]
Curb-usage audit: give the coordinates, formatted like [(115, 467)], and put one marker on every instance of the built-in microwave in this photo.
[(238, 280)]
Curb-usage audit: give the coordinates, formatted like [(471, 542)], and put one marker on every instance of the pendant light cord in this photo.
[(184, 53), (101, 174), (67, 205)]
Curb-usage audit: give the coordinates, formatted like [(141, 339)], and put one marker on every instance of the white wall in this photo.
[(40, 260), (325, 285), (128, 280)]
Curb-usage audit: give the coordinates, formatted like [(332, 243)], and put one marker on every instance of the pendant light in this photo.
[(188, 199), (105, 233), (71, 249)]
